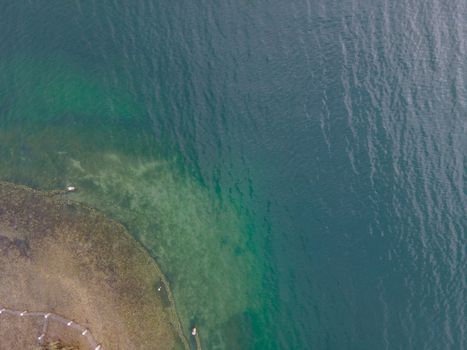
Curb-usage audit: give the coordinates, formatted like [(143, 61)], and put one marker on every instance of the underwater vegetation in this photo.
[(64, 126)]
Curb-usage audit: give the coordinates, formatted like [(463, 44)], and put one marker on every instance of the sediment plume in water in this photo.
[(68, 261)]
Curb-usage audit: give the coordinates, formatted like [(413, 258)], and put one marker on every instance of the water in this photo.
[(296, 168)]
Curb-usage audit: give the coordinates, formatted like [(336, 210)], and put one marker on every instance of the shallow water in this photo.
[(297, 168)]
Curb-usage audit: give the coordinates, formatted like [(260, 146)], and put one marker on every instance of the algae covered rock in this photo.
[(69, 260)]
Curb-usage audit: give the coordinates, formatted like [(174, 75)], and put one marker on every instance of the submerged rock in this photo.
[(63, 258)]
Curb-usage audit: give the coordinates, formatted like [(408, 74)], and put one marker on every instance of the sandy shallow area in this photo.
[(62, 257)]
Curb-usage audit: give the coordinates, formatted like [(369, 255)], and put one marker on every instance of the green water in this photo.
[(64, 126), (297, 168)]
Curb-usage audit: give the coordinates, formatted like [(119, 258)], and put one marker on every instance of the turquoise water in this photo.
[(296, 168)]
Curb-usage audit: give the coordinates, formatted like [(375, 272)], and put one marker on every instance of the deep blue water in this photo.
[(297, 168)]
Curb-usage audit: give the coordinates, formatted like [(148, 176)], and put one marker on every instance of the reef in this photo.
[(80, 278)]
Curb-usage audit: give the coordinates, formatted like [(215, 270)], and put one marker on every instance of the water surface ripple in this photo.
[(296, 167)]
